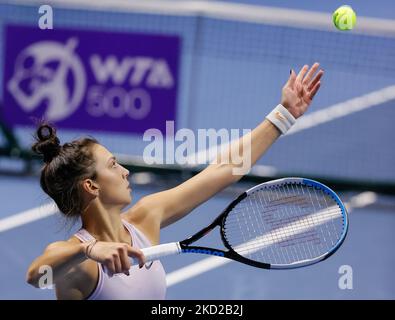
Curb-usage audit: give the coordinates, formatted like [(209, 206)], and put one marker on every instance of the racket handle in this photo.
[(162, 250), (155, 252)]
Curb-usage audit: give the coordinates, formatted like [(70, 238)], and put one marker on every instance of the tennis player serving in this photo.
[(86, 182)]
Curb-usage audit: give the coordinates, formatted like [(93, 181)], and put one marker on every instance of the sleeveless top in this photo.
[(147, 283)]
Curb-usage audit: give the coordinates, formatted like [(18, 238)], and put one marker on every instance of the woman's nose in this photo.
[(126, 172)]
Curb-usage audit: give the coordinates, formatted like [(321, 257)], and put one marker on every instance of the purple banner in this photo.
[(123, 82)]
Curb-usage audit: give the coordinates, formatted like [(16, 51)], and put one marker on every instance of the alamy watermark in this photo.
[(45, 20), (184, 147), (46, 280), (346, 278)]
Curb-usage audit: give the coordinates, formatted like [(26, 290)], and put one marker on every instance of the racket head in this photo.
[(285, 223)]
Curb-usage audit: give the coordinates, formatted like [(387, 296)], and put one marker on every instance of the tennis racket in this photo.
[(280, 224)]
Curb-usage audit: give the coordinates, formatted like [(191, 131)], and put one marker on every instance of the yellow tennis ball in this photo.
[(344, 18)]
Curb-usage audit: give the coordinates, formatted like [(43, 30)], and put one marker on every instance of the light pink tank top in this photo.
[(147, 283)]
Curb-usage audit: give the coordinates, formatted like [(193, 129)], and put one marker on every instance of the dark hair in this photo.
[(64, 169)]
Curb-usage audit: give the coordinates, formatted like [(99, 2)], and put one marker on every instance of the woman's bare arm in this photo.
[(163, 208), (60, 257), (63, 256)]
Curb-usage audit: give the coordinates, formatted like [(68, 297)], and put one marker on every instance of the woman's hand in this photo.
[(300, 90), (115, 257)]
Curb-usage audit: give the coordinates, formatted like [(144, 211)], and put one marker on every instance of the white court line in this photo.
[(27, 216), (359, 201)]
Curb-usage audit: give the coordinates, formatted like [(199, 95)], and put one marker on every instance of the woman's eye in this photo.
[(114, 164)]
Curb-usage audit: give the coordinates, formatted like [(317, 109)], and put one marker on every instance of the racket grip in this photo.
[(162, 250)]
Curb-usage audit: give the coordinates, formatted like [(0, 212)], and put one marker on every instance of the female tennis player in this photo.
[(86, 182)]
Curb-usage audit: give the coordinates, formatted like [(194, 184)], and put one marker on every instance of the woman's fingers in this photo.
[(306, 84), (125, 261), (302, 73), (310, 74), (314, 90), (315, 80), (138, 254), (109, 263), (291, 80), (117, 263)]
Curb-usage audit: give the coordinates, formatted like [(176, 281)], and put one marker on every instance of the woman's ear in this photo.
[(91, 187)]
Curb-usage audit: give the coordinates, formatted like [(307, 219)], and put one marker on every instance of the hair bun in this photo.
[(47, 143)]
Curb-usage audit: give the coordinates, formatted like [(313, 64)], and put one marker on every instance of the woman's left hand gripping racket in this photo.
[(280, 224)]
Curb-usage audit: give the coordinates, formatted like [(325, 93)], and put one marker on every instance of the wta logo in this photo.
[(43, 73), (93, 80)]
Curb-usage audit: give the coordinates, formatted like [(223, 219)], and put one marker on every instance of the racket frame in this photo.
[(232, 254)]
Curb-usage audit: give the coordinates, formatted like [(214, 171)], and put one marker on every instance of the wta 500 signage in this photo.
[(90, 80)]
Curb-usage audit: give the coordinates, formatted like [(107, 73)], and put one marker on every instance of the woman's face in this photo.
[(112, 178)]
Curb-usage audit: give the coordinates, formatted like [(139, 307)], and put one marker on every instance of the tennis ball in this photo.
[(344, 18)]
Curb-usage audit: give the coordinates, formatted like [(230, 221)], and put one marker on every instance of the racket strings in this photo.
[(290, 232), (287, 233), (283, 225)]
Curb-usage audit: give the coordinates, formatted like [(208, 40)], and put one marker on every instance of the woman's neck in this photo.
[(105, 224)]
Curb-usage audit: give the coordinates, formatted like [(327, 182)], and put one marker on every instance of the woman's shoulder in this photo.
[(141, 217)]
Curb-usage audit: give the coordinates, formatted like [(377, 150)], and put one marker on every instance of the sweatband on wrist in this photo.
[(281, 118)]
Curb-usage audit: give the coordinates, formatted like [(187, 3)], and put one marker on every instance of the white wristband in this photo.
[(281, 118)]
